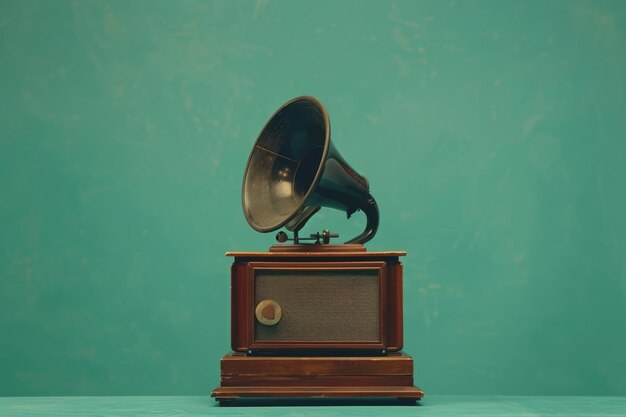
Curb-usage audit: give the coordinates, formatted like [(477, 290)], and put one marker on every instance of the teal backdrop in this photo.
[(493, 134)]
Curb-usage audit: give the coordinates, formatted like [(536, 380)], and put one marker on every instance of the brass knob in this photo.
[(268, 312)]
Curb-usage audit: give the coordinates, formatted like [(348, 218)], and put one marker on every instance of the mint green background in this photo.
[(493, 134)]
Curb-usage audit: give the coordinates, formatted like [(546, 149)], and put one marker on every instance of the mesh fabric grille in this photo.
[(321, 305)]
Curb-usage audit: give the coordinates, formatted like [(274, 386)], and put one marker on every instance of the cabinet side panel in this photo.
[(239, 322), (394, 307)]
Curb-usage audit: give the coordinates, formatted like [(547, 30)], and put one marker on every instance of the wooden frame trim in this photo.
[(242, 303)]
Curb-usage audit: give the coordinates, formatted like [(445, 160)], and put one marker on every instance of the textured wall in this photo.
[(492, 133)]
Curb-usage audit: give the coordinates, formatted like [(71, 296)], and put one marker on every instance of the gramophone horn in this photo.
[(294, 169)]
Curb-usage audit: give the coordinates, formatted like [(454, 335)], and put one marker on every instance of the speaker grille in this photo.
[(321, 305)]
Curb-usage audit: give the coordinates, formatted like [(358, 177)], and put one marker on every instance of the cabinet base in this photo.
[(338, 377)]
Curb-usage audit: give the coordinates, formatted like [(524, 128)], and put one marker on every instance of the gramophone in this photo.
[(311, 318)]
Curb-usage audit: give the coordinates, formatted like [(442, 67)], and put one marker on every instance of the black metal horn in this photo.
[(294, 169)]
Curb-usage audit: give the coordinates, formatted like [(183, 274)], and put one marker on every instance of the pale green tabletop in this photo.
[(433, 405)]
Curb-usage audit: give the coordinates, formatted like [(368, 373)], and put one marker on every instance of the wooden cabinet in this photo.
[(316, 324)]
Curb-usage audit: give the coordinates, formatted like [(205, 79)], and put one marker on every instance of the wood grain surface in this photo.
[(391, 364)]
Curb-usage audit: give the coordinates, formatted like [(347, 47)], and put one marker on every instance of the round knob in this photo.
[(268, 312)]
